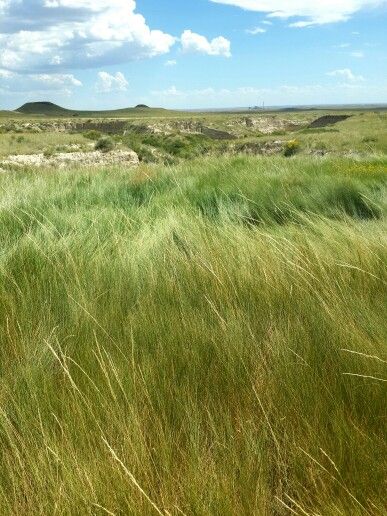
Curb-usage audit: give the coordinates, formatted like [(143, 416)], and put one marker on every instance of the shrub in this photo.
[(92, 135), (48, 153), (291, 148), (104, 144), (144, 153)]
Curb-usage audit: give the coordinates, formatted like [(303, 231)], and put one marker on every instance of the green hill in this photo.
[(53, 110), (43, 108)]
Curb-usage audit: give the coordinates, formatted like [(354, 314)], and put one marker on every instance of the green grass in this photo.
[(8, 114), (202, 339), (168, 148), (362, 133), (156, 137), (35, 143)]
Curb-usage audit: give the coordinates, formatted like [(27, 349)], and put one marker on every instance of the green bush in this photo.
[(48, 153), (144, 152), (291, 148), (92, 135), (104, 144), (171, 147)]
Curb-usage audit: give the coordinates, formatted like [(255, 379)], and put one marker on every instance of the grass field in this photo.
[(205, 338), (363, 134), (30, 143)]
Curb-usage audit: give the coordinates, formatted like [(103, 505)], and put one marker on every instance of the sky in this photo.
[(192, 54)]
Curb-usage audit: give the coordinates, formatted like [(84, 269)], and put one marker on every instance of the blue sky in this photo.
[(99, 54)]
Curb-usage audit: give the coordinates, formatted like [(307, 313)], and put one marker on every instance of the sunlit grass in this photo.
[(203, 339), (35, 143)]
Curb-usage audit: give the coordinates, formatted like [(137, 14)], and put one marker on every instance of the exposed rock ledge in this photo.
[(64, 159)]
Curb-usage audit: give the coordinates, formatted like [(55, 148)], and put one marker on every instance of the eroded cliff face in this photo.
[(217, 129)]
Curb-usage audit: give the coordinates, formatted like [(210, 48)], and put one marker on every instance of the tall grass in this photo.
[(205, 339)]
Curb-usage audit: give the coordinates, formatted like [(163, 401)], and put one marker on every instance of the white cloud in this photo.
[(5, 74), (3, 5), (313, 12), (62, 83), (171, 62), (346, 74), (169, 92), (256, 30), (52, 34), (267, 22), (56, 79), (357, 55), (192, 42), (107, 83)]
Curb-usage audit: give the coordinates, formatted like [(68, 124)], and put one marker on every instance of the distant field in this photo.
[(9, 114), (165, 137), (205, 338)]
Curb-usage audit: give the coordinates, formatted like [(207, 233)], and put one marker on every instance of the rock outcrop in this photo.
[(66, 159)]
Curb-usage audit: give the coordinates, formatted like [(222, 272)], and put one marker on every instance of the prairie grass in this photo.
[(34, 143), (202, 339)]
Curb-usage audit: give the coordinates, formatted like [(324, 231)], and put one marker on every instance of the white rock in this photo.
[(89, 159)]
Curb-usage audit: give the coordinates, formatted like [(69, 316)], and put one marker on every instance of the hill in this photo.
[(43, 108), (53, 110)]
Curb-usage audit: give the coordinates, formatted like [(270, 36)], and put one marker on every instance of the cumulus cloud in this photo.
[(62, 83), (347, 75), (192, 42), (171, 62), (107, 83), (55, 80), (45, 35), (312, 12)]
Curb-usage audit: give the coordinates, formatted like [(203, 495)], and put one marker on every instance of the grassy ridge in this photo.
[(48, 109), (188, 339)]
